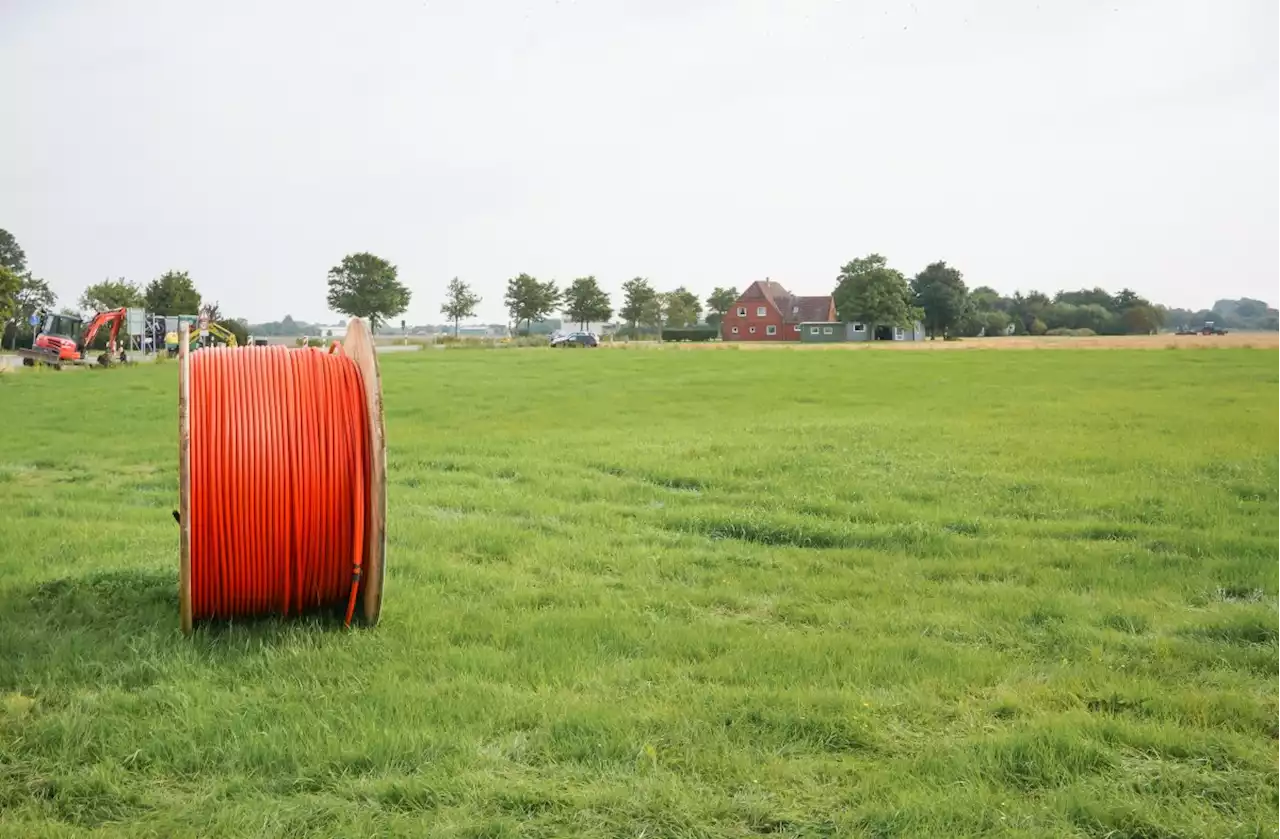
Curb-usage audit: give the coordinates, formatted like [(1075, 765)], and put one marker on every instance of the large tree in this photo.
[(719, 303), (869, 291), (11, 254), (529, 300), (941, 293), (34, 296), (172, 293), (10, 285), (366, 286), (111, 294), (586, 302), (638, 297), (681, 307), (459, 302)]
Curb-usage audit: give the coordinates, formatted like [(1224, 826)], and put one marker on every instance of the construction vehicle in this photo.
[(64, 339), (215, 331), (1207, 329)]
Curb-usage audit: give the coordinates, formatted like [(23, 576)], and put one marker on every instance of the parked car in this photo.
[(575, 339)]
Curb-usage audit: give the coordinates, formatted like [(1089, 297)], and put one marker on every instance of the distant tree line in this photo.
[(1244, 313), (867, 290)]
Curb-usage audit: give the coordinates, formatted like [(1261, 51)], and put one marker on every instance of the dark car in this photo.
[(576, 339)]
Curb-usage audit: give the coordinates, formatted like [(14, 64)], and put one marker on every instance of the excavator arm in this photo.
[(220, 332), (115, 317)]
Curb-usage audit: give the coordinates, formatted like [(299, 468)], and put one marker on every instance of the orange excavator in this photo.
[(65, 339)]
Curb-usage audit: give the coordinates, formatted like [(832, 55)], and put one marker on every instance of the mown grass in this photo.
[(679, 594)]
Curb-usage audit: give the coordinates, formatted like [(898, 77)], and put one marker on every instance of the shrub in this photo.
[(690, 333), (1063, 332)]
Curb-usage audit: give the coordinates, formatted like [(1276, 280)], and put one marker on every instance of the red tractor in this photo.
[(64, 339)]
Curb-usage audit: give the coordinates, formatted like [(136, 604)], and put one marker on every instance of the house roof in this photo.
[(794, 309)]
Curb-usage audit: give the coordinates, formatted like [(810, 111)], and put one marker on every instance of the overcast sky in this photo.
[(700, 143)]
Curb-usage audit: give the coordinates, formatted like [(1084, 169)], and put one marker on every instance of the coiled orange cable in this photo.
[(279, 448)]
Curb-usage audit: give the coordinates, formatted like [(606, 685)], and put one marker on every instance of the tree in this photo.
[(172, 293), (940, 291), (34, 297), (365, 286), (1087, 297), (719, 303), (638, 297), (585, 302), (986, 299), (109, 294), (1025, 311), (212, 311), (1141, 320), (238, 327), (994, 324), (11, 254), (529, 300), (10, 285), (681, 307), (650, 315), (459, 303), (869, 291)]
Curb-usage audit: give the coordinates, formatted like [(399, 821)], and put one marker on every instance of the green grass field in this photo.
[(655, 594)]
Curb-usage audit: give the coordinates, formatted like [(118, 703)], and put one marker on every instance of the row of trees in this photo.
[(583, 301), (869, 291)]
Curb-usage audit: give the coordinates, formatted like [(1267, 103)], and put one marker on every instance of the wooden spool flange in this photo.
[(359, 347)]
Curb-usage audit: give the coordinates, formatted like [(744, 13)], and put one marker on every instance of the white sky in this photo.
[(700, 143)]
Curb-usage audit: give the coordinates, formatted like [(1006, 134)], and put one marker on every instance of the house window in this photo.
[(761, 311), (796, 327), (771, 330), (735, 330), (826, 330), (742, 311), (859, 327), (813, 330), (899, 334), (753, 330), (795, 310)]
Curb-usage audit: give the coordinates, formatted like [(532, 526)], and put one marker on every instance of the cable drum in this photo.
[(282, 463)]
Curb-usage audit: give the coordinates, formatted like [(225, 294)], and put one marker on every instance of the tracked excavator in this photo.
[(65, 339)]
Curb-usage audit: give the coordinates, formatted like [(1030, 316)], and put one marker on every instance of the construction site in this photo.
[(118, 336)]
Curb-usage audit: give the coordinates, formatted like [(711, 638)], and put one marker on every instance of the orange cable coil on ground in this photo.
[(280, 482)]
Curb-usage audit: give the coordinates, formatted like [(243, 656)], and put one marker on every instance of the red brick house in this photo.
[(768, 312)]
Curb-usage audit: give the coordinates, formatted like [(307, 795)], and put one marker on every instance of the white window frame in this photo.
[(899, 334), (813, 330), (771, 330), (796, 328), (761, 311), (735, 330), (742, 311), (753, 330), (827, 330), (859, 327)]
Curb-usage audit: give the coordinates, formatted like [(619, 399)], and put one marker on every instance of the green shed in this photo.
[(822, 332)]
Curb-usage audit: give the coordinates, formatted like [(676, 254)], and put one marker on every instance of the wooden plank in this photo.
[(359, 346), (184, 477)]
